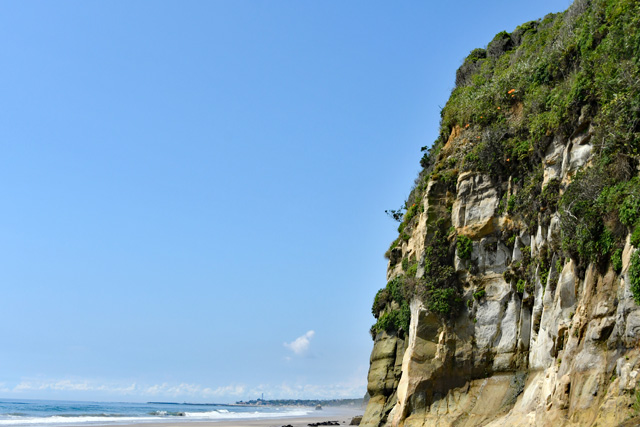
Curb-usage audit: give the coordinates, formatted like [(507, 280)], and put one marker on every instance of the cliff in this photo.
[(513, 285)]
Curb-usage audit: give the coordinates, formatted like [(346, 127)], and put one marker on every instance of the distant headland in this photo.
[(302, 402), (277, 402)]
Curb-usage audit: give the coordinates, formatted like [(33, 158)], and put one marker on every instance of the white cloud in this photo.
[(70, 385), (354, 386), (301, 344), (196, 390), (185, 390)]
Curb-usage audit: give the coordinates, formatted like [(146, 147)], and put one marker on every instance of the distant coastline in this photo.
[(303, 402), (277, 402)]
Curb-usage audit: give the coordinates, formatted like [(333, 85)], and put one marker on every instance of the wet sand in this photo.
[(341, 414)]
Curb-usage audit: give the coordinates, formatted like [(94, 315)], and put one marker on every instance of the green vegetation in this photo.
[(616, 260), (395, 320), (562, 63), (634, 276), (444, 301), (511, 204), (380, 301), (536, 83), (439, 286), (391, 307), (572, 76), (522, 272), (411, 212), (393, 245), (636, 403), (635, 236), (412, 270), (544, 276), (595, 210), (464, 245), (630, 208)]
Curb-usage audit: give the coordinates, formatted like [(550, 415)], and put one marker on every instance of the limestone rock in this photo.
[(553, 159), (541, 337), (475, 205)]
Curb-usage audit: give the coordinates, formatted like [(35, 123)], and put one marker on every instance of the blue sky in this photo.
[(193, 193)]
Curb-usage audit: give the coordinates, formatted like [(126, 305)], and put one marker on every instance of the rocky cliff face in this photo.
[(513, 283)]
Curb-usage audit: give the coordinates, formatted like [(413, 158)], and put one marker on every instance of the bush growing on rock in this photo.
[(380, 302), (630, 208), (394, 317), (465, 246), (592, 222), (545, 125), (616, 260), (549, 82), (634, 276), (480, 293), (635, 236), (444, 301), (412, 270)]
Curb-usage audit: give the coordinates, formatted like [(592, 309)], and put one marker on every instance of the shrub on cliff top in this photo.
[(573, 73), (538, 81)]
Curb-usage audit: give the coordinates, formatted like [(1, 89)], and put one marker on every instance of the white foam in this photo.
[(74, 420), (223, 414), (218, 415)]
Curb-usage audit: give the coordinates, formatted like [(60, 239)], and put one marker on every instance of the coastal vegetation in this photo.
[(464, 246), (634, 276), (391, 307), (518, 246), (572, 76)]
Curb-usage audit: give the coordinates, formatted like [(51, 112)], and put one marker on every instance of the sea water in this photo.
[(70, 413)]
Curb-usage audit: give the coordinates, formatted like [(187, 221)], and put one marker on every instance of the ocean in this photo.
[(15, 412)]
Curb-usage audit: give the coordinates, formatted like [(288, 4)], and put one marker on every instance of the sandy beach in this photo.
[(341, 414)]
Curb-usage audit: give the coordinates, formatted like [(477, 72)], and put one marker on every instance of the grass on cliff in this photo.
[(567, 70), (437, 286), (553, 78), (568, 74), (583, 61)]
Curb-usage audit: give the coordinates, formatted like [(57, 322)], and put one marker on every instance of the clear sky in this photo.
[(193, 192)]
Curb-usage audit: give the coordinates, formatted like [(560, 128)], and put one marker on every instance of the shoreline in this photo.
[(342, 415)]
